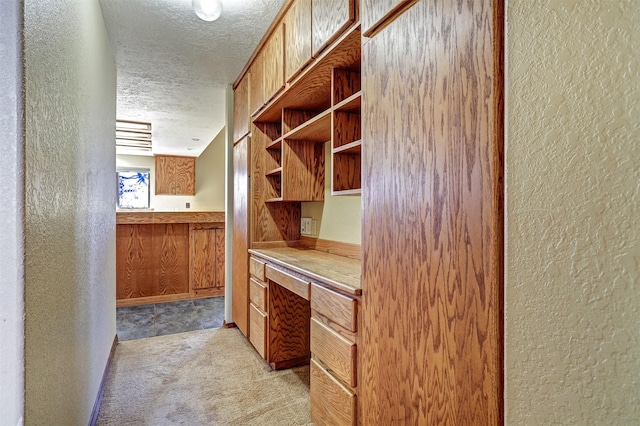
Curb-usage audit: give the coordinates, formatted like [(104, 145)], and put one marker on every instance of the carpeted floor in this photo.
[(204, 377)]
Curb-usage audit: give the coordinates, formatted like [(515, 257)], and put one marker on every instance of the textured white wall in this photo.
[(210, 180), (70, 108), (11, 196), (572, 348)]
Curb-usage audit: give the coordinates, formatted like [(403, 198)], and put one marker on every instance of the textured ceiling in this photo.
[(173, 68)]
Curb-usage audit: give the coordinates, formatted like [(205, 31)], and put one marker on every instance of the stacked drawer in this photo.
[(333, 357), (258, 306)]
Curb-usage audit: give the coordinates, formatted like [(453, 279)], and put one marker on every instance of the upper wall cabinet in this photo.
[(375, 12), (241, 109), (256, 84), (175, 175), (273, 64), (329, 19), (297, 27)]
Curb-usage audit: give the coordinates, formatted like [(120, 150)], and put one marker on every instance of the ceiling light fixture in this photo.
[(207, 10)]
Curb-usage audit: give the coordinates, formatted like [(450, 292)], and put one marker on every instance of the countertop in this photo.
[(151, 217), (340, 272)]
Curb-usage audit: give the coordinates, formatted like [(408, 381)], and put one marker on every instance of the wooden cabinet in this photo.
[(297, 26), (175, 175), (240, 276), (258, 308), (256, 84), (163, 257), (432, 182), (374, 13), (241, 113), (330, 19), (273, 64), (332, 403), (207, 257)]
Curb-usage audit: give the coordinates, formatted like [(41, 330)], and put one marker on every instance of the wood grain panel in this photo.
[(256, 268), (339, 248), (165, 175), (346, 172), (346, 128), (258, 329), (292, 118), (432, 217), (297, 25), (302, 171), (273, 64), (341, 309), (185, 175), (219, 258), (134, 255), (334, 352), (241, 109), (344, 83), (330, 19), (203, 258), (258, 294), (289, 316), (332, 404), (377, 13), (240, 266), (171, 254), (292, 283)]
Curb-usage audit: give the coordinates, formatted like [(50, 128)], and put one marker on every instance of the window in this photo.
[(133, 189)]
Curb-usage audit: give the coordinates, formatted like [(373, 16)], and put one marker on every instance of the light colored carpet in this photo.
[(204, 377)]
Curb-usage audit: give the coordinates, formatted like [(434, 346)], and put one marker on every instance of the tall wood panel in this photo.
[(240, 286), (297, 23), (330, 18), (175, 175), (165, 174), (241, 108), (185, 175), (273, 64), (431, 348), (256, 84)]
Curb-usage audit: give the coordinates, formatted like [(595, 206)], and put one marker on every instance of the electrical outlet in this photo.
[(188, 205), (306, 224)]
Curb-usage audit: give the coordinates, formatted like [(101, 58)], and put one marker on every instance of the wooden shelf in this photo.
[(352, 104), (354, 147), (273, 200), (311, 90), (356, 191), (275, 172), (318, 129), (276, 144)]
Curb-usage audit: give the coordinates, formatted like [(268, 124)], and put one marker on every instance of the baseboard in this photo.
[(103, 384), (226, 324)]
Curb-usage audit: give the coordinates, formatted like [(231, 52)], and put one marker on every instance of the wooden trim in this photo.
[(353, 251), (103, 383), (274, 25), (290, 363), (226, 324), (150, 217)]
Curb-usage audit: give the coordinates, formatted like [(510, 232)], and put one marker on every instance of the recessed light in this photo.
[(195, 139), (189, 148)]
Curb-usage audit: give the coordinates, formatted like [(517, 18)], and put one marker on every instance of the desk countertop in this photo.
[(340, 272)]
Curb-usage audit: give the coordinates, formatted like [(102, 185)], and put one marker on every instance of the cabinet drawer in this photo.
[(331, 402), (288, 281), (339, 308), (257, 329), (258, 294), (256, 268), (335, 352)]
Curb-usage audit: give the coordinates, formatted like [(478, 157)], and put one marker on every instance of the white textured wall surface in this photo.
[(572, 346), (210, 180), (11, 196), (69, 208), (338, 218)]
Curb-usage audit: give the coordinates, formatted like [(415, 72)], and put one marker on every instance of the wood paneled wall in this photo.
[(432, 129)]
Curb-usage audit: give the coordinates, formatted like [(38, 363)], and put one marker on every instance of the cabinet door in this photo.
[(165, 175), (330, 18), (240, 286), (207, 258), (432, 128), (297, 26), (374, 12), (185, 176), (256, 84), (241, 108), (273, 64)]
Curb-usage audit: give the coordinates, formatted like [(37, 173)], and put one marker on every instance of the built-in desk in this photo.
[(304, 307)]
